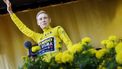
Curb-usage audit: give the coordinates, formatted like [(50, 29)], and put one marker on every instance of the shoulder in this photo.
[(58, 27)]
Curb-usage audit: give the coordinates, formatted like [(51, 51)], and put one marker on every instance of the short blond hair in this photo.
[(40, 12)]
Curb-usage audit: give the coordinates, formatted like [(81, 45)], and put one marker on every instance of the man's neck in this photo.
[(47, 28)]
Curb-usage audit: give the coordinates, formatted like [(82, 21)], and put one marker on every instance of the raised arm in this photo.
[(23, 28), (9, 7)]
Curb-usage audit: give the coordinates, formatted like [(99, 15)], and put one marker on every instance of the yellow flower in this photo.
[(67, 57), (67, 51), (86, 40), (35, 48), (58, 57), (119, 58), (72, 50), (78, 47), (83, 43), (101, 53), (112, 38), (118, 48), (92, 51), (104, 42), (110, 44)]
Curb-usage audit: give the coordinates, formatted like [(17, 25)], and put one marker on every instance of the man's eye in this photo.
[(40, 18), (45, 17)]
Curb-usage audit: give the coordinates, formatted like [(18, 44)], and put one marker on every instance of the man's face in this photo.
[(43, 20)]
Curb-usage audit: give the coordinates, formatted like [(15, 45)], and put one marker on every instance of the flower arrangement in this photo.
[(80, 56)]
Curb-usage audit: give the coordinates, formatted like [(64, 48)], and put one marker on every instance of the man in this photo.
[(50, 40)]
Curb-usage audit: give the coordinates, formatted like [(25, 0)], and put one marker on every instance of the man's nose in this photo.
[(43, 20)]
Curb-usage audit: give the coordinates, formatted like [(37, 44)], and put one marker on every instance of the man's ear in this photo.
[(37, 23)]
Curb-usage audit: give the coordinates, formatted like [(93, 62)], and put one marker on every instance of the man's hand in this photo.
[(9, 8)]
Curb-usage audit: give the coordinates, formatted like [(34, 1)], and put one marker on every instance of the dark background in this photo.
[(19, 5)]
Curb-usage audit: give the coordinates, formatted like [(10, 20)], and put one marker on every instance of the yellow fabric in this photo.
[(57, 32)]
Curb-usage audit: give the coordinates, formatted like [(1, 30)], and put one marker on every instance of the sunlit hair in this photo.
[(40, 12)]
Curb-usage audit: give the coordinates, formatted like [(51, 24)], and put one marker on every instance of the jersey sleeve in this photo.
[(63, 35), (24, 29)]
